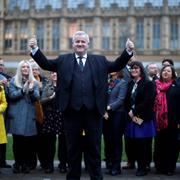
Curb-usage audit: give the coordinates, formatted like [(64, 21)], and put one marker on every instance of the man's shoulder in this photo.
[(96, 56), (69, 55), (66, 55)]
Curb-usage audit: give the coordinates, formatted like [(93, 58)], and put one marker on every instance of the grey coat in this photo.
[(117, 96), (21, 112)]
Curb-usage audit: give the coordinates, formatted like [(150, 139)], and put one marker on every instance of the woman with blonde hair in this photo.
[(23, 92)]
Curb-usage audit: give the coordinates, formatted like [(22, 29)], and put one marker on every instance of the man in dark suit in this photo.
[(82, 97)]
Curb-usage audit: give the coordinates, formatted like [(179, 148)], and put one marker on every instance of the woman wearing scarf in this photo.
[(167, 110), (140, 125)]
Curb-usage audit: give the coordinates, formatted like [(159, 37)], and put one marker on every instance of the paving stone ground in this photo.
[(38, 174)]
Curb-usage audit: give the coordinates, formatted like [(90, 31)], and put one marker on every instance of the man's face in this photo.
[(152, 69), (80, 45), (2, 66)]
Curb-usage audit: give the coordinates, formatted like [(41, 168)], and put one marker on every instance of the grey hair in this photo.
[(152, 63), (34, 65), (18, 76), (80, 33)]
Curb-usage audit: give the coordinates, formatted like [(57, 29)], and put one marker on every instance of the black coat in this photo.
[(144, 100), (173, 102), (99, 66)]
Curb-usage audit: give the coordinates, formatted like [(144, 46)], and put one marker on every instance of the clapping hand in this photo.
[(28, 86), (129, 45), (53, 95), (25, 86), (31, 85)]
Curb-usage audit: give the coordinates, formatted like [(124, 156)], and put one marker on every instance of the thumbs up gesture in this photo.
[(129, 45), (32, 42)]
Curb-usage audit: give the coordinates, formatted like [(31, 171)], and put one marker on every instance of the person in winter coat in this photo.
[(23, 92)]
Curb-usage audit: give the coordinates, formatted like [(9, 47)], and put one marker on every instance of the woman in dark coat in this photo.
[(140, 122), (167, 109)]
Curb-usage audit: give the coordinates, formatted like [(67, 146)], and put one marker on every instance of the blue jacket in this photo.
[(21, 112), (117, 96)]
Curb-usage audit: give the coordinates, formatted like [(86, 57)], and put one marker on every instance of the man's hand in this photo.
[(33, 42), (129, 45)]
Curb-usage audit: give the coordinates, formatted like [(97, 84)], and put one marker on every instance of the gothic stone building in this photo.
[(154, 26)]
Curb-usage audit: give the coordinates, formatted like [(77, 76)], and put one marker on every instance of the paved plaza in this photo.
[(38, 174)]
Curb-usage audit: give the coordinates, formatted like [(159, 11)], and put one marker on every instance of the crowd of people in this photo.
[(151, 104), (84, 97)]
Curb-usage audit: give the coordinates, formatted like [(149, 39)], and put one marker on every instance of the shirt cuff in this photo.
[(129, 52), (33, 51)]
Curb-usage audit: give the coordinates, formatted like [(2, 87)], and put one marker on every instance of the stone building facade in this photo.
[(154, 26)]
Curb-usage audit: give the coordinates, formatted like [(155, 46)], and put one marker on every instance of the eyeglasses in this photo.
[(135, 67)]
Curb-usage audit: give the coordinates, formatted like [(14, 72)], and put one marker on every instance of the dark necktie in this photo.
[(81, 64)]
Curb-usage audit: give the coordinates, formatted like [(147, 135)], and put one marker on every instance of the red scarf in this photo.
[(160, 105)]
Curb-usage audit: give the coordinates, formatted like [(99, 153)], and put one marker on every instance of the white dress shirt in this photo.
[(84, 57)]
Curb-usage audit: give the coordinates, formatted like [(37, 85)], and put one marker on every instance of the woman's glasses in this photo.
[(134, 67)]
